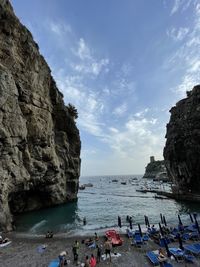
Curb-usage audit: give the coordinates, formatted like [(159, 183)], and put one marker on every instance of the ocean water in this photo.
[(101, 205)]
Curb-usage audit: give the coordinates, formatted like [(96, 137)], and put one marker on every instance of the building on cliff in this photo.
[(39, 141), (182, 148), (156, 170)]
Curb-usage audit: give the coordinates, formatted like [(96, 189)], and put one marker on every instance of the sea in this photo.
[(101, 204)]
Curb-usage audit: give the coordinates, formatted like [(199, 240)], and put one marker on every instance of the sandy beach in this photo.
[(24, 252)]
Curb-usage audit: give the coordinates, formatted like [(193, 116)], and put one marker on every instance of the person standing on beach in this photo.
[(93, 261), (84, 221), (108, 247), (75, 249), (99, 251), (87, 262)]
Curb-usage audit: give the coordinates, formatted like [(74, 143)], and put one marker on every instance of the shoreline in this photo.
[(24, 251)]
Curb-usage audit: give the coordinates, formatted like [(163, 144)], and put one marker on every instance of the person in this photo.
[(89, 242), (84, 221), (108, 247), (93, 261), (49, 234), (75, 249), (62, 258), (87, 262), (96, 236), (161, 256), (99, 251), (127, 218)]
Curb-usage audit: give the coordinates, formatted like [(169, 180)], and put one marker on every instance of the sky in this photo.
[(123, 64)]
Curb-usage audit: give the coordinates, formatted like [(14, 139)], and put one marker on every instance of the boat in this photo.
[(123, 183), (88, 185), (114, 237), (81, 187), (114, 180)]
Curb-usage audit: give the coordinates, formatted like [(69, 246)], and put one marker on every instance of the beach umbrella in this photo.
[(166, 247), (139, 227), (180, 242), (164, 220), (131, 223), (148, 224), (119, 222), (161, 218), (161, 230), (191, 217), (197, 225), (179, 219), (145, 219)]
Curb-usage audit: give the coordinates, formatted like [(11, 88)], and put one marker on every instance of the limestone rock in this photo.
[(154, 168), (182, 149), (39, 140)]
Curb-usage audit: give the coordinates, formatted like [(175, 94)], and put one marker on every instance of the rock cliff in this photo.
[(154, 168), (39, 140), (182, 149)]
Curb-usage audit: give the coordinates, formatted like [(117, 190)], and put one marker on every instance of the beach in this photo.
[(23, 251)]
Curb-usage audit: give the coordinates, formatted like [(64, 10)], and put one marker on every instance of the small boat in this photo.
[(88, 185), (114, 237), (81, 187), (114, 180), (124, 183)]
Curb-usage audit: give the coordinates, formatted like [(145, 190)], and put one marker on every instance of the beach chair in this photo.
[(137, 240), (166, 264), (189, 258), (153, 258), (145, 238), (54, 263), (192, 249), (185, 236), (177, 253)]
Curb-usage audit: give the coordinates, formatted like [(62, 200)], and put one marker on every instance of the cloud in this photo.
[(88, 64), (119, 111), (141, 114), (186, 59), (176, 6), (60, 28), (177, 34), (181, 5), (136, 138)]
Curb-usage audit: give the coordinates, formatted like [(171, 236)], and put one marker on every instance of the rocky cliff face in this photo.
[(154, 168), (39, 140), (182, 149)]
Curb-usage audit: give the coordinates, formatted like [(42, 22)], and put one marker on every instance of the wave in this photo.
[(116, 195), (37, 226)]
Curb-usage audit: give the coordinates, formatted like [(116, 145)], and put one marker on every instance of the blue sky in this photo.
[(123, 64)]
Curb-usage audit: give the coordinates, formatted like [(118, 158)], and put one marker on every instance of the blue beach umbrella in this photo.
[(166, 247), (119, 222), (139, 227), (191, 217), (161, 218), (179, 219), (180, 242), (197, 225), (145, 219), (131, 223), (164, 221), (161, 230)]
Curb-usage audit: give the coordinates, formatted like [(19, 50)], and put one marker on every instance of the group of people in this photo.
[(89, 261), (49, 234)]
